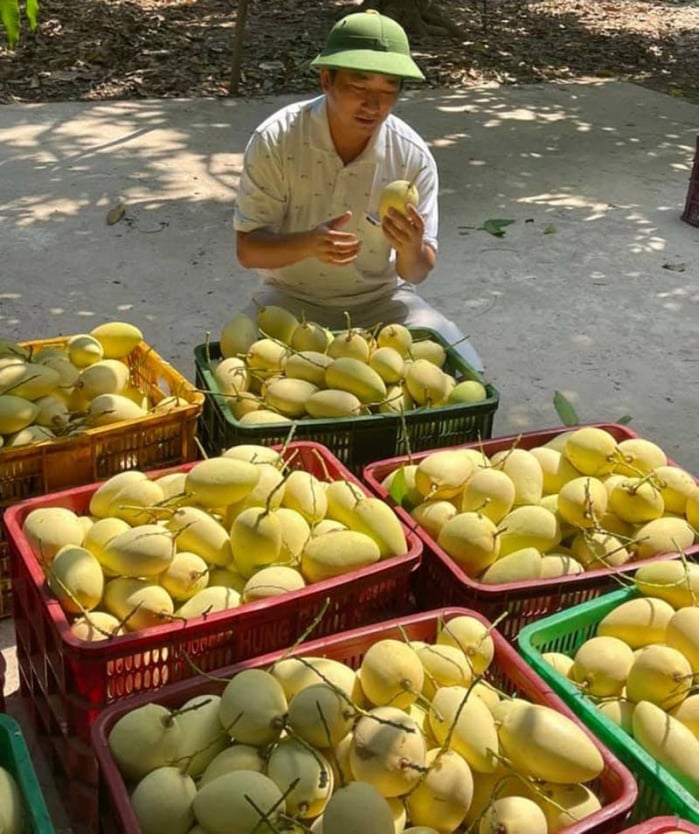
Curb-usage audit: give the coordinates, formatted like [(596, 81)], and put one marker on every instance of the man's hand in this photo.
[(332, 246), (404, 231)]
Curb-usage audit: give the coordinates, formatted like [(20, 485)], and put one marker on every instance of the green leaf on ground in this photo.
[(565, 410), (625, 420), (550, 229), (496, 225)]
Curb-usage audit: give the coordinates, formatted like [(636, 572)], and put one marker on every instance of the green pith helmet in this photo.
[(369, 42)]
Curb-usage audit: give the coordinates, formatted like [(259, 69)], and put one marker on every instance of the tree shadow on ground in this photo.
[(151, 48)]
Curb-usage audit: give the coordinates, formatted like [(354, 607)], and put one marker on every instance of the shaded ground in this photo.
[(122, 49)]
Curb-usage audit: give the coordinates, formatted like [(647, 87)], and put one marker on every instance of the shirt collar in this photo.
[(321, 139)]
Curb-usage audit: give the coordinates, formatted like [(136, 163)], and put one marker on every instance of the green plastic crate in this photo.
[(14, 757), (356, 441), (659, 793)]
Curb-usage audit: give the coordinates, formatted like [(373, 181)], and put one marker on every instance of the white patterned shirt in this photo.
[(293, 180)]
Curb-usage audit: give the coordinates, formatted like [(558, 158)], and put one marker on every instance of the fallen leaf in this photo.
[(115, 214), (675, 267), (496, 225), (550, 229), (565, 410)]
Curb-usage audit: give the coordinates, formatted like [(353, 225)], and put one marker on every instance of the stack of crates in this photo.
[(159, 439), (66, 682)]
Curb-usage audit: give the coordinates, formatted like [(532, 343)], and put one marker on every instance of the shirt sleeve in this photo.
[(262, 194), (427, 184)]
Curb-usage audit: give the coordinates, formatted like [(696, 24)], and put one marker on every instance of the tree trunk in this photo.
[(237, 50), (417, 17)]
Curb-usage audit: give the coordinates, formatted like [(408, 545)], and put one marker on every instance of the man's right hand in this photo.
[(332, 246)]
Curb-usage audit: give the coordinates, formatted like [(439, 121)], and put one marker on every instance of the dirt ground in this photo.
[(130, 49)]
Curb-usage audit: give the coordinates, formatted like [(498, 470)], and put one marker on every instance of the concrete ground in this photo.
[(593, 290)]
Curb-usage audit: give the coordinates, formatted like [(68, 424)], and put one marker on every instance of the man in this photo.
[(313, 172)]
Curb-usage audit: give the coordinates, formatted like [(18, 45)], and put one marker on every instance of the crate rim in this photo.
[(591, 610), (106, 719), (197, 626), (662, 825), (433, 550)]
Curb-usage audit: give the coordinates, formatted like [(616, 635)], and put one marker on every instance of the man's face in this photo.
[(359, 102)]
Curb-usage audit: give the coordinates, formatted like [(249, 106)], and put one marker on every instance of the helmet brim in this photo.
[(367, 60)]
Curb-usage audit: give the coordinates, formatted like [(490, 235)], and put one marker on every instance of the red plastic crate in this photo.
[(86, 677), (662, 825), (508, 671), (440, 581), (71, 762)]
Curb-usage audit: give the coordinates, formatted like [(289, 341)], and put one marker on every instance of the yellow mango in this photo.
[(591, 450), (661, 675), (276, 322), (108, 376), (473, 733), (669, 742), (682, 633), (142, 551), (582, 501), (525, 472), (76, 579), (662, 535), (209, 600), (332, 402), (377, 520), (636, 500), (519, 566), (220, 481), (395, 336), (140, 603), (638, 622), (596, 550), (355, 376), (601, 666), (443, 474), (674, 581), (256, 540), (289, 396), (675, 486), (529, 526), (490, 492), (333, 554), (472, 540), (349, 345), (545, 744), (117, 338), (306, 494), (237, 335), (637, 457), (432, 515), (427, 384), (557, 469), (16, 413)]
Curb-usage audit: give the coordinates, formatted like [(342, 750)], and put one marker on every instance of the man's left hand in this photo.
[(404, 231)]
